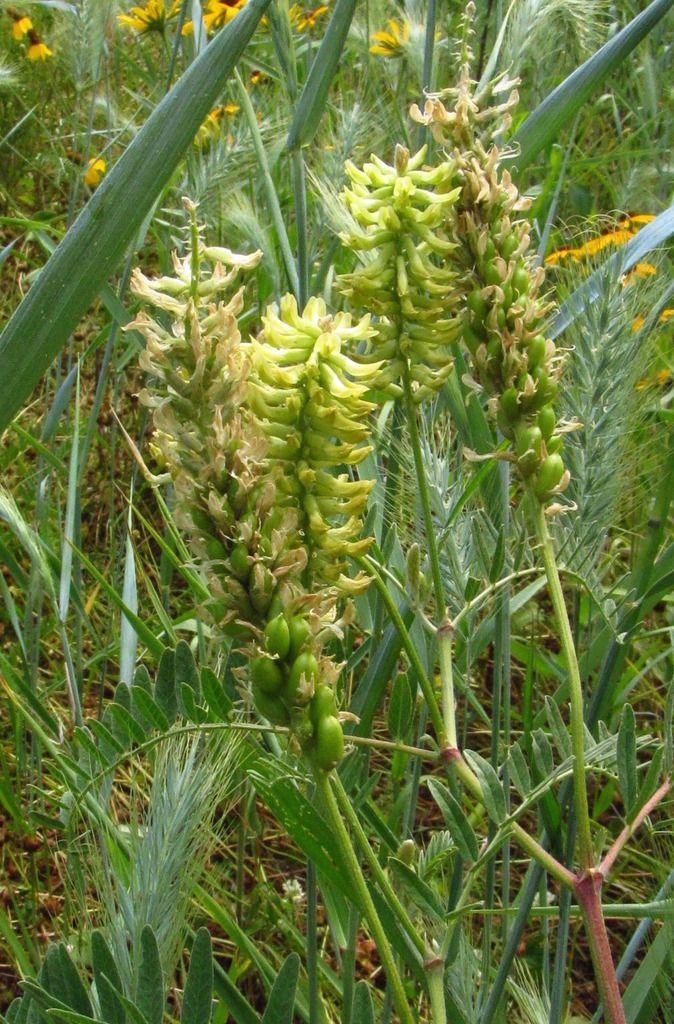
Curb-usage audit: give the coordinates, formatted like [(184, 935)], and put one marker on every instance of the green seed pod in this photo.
[(528, 448), (202, 520), (548, 476), (277, 637), (520, 280), (546, 421), (509, 246), (471, 339), (323, 704), (555, 444), (477, 304), (299, 634), (536, 350), (509, 405), (239, 562), (329, 743), (299, 686), (266, 675), (271, 707), (492, 274), (215, 549)]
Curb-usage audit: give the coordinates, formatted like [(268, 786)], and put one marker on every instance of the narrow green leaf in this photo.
[(626, 759), (147, 708), (76, 993), (186, 669), (456, 821), (96, 242), (198, 995), (417, 891), (492, 790), (363, 1010), (558, 728), (214, 695), (282, 996), (400, 718), (543, 126), (143, 631), (304, 824), (165, 685), (128, 637), (315, 92), (71, 508), (124, 724), (150, 985), (106, 978), (518, 770)]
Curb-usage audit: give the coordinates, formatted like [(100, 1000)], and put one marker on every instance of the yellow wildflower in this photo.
[(39, 51), (21, 27), (152, 17), (391, 42), (302, 19), (221, 12), (96, 168), (626, 228)]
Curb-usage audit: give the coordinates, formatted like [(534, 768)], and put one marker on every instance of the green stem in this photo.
[(374, 865), (436, 993), (575, 687), (526, 841), (444, 626), (410, 649), (346, 850)]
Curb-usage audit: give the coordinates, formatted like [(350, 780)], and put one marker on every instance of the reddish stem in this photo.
[(588, 892), (630, 829)]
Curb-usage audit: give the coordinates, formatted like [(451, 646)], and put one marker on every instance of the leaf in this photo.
[(186, 670), (198, 994), (106, 976), (111, 219), (165, 686), (418, 891), (123, 723), (400, 718), (518, 771), (282, 996), (363, 1010), (543, 126), (626, 759), (304, 824), (315, 92), (558, 728), (492, 790), (148, 708), (214, 695), (150, 984), (75, 993), (456, 821)]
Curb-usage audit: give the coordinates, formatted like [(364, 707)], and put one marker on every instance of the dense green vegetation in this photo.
[(336, 383)]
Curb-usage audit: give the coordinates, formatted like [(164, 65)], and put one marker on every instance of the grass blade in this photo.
[(315, 93), (93, 247), (543, 125)]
